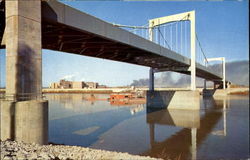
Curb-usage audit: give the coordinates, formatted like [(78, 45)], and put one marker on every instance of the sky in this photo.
[(222, 28)]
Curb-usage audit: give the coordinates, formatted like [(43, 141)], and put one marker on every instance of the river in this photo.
[(219, 130)]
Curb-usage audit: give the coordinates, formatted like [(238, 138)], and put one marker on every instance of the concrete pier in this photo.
[(189, 100), (24, 115), (23, 49), (25, 121)]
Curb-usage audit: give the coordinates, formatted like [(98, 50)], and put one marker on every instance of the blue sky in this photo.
[(222, 28)]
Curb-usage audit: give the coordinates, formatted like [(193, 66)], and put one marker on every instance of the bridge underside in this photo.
[(68, 30), (63, 38)]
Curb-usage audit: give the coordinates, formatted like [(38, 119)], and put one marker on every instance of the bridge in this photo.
[(28, 26), (68, 30)]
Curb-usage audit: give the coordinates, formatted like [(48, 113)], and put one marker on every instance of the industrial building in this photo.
[(64, 84)]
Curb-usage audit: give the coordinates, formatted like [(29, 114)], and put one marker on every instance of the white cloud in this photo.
[(70, 77)]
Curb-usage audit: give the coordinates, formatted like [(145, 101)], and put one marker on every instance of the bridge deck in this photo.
[(69, 30)]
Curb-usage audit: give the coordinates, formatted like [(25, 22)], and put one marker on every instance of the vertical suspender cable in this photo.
[(159, 37), (184, 38), (181, 38), (176, 38), (164, 35), (171, 27)]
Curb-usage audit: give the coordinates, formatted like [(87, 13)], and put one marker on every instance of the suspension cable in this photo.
[(128, 26), (134, 28), (199, 43), (163, 38), (143, 26)]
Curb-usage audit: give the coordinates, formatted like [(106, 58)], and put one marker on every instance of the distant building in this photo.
[(78, 85), (63, 84), (54, 85), (102, 86), (91, 85)]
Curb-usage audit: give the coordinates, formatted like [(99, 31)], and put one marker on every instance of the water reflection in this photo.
[(225, 103), (218, 131), (75, 120), (183, 144)]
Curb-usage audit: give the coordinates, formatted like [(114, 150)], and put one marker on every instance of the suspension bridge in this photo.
[(165, 44)]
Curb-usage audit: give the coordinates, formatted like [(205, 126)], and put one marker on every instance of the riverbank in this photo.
[(92, 91), (20, 150), (240, 93), (234, 91)]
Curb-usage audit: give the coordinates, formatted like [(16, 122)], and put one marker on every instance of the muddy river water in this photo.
[(219, 130)]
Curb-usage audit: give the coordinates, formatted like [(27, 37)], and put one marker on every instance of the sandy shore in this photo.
[(20, 150)]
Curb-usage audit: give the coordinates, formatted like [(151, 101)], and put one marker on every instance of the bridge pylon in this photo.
[(24, 114), (223, 60), (186, 16)]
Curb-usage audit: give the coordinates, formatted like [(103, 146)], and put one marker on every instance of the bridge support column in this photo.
[(193, 143), (25, 121), (152, 134), (224, 73), (151, 79), (185, 100), (205, 84), (193, 53), (224, 116), (26, 112)]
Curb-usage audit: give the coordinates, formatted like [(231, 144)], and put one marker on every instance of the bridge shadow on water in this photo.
[(68, 130)]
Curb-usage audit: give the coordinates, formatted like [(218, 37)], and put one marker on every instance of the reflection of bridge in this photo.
[(184, 143), (29, 26)]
